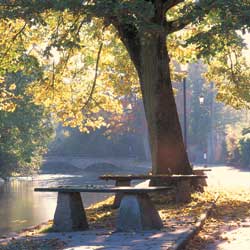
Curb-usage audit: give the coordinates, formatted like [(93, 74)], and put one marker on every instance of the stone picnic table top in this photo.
[(100, 189), (202, 169), (152, 177)]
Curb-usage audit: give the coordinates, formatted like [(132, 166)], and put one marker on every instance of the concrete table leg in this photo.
[(137, 213), (199, 184), (69, 214), (183, 191), (118, 196)]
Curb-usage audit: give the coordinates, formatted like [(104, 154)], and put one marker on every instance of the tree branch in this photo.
[(95, 78), (129, 36), (168, 4), (198, 11), (12, 41), (179, 24)]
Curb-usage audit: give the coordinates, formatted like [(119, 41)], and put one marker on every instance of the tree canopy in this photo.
[(83, 48), (68, 32)]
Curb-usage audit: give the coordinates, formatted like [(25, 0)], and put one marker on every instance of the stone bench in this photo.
[(136, 211), (182, 184)]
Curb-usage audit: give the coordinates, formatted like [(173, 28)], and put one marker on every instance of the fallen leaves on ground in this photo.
[(173, 215), (176, 215), (32, 244), (232, 210), (101, 215)]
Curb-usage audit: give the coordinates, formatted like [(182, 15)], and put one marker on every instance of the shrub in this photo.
[(244, 149)]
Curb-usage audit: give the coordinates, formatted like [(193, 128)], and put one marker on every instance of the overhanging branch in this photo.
[(129, 36), (12, 41), (168, 4), (198, 11), (95, 78)]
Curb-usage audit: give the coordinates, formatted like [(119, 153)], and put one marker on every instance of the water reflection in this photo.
[(21, 207)]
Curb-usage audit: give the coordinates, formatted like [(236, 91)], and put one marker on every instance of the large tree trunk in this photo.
[(167, 148), (149, 55)]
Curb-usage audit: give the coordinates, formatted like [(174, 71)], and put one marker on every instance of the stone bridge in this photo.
[(83, 163)]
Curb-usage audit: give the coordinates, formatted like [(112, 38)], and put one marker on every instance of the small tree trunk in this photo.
[(167, 147)]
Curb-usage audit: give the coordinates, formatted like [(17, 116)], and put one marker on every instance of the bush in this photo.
[(244, 149), (233, 135), (24, 133)]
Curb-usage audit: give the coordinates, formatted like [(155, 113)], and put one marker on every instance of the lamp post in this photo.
[(209, 154), (201, 101), (184, 70), (185, 112)]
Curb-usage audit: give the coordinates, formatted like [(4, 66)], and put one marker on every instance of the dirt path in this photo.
[(231, 178)]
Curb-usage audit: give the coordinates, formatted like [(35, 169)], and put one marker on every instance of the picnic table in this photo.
[(181, 183), (200, 182), (136, 211)]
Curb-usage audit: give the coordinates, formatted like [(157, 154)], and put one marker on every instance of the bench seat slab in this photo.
[(69, 214), (137, 213)]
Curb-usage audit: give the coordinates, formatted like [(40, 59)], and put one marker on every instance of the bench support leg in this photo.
[(118, 196), (137, 213), (199, 184), (183, 191), (69, 214)]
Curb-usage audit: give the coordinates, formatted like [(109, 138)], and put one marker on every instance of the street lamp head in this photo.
[(184, 68), (201, 99), (129, 106)]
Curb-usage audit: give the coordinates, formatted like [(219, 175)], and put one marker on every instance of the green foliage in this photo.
[(24, 133), (211, 125), (233, 135), (238, 144), (244, 149)]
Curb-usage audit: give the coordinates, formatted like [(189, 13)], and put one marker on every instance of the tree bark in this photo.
[(167, 147), (150, 57)]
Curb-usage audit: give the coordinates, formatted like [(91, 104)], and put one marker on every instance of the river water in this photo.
[(21, 207)]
